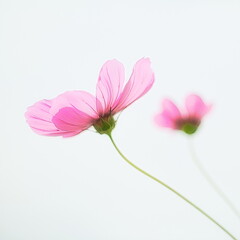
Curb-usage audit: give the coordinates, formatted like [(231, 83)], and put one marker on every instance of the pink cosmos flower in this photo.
[(75, 111), (187, 120)]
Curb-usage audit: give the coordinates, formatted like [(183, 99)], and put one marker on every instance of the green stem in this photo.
[(210, 180), (171, 189)]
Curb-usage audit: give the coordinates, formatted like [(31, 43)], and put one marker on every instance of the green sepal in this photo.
[(189, 128), (105, 125)]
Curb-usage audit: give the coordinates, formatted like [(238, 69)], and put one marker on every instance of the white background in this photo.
[(79, 188)]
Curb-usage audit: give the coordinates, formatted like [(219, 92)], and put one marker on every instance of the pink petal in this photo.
[(140, 82), (163, 120), (169, 115), (74, 111), (40, 120), (196, 107), (70, 119), (170, 109), (109, 86), (80, 101)]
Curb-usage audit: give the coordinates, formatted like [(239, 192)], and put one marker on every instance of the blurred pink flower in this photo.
[(187, 120), (75, 111)]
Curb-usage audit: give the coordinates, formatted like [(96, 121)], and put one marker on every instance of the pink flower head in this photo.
[(75, 111), (188, 120)]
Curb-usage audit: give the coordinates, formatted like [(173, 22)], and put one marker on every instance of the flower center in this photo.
[(105, 124), (189, 126)]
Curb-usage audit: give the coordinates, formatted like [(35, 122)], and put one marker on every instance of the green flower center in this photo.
[(189, 125), (105, 124), (189, 128)]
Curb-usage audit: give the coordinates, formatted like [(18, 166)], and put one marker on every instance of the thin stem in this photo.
[(171, 189), (210, 180)]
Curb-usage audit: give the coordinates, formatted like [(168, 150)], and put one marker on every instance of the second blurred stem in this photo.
[(209, 179)]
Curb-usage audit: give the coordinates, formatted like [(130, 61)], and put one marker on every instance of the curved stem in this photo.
[(171, 189), (210, 180)]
